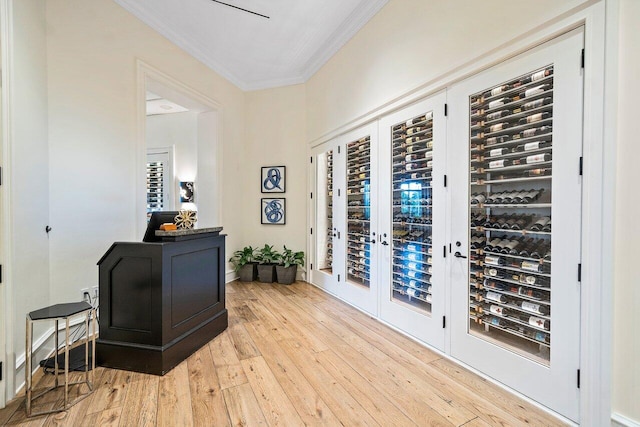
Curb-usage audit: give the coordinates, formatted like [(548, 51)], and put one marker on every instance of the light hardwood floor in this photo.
[(293, 355)]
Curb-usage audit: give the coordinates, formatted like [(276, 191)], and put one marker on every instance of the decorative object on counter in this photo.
[(267, 259), (186, 192), (288, 267), (244, 264), (186, 219), (168, 226), (273, 211), (273, 179)]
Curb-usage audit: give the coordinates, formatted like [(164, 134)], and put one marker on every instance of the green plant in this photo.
[(242, 257), (267, 255), (289, 258)]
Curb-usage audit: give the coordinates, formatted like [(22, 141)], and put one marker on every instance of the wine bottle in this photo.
[(534, 118), (494, 296), (528, 133), (497, 115), (477, 199), (496, 309), (532, 280), (497, 127), (498, 152), (496, 321), (521, 223), (496, 91), (531, 146), (512, 245), (535, 158), (497, 139), (523, 244), (493, 260), (547, 226), (537, 76), (538, 172), (494, 272), (539, 323), (492, 244), (534, 91), (531, 196), (537, 103), (540, 223)]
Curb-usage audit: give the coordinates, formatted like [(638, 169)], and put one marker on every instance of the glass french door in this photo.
[(515, 141), (412, 264), (327, 252)]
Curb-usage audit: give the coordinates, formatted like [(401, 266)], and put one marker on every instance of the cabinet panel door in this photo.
[(413, 211), (515, 144)]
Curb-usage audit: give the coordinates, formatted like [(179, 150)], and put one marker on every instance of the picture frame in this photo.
[(273, 179), (273, 211)]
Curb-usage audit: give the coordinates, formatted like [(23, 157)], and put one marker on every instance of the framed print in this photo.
[(272, 211), (273, 179)]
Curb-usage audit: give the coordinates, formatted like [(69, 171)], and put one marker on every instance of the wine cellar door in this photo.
[(515, 147), (346, 217), (412, 274)]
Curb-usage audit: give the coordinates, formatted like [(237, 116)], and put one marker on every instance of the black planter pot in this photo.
[(266, 273), (248, 272), (286, 275)]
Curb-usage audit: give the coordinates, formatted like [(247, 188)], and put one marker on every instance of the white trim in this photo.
[(361, 15), (7, 350), (618, 420), (230, 276), (599, 180), (146, 71)]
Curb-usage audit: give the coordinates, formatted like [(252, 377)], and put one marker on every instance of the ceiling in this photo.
[(252, 51)]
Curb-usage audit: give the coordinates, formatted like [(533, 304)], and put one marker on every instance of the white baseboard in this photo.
[(618, 420), (230, 276)]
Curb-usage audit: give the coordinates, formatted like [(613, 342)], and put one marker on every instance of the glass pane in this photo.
[(358, 211), (510, 214), (412, 162), (155, 187), (325, 212)]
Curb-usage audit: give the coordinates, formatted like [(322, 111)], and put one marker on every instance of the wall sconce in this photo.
[(186, 192)]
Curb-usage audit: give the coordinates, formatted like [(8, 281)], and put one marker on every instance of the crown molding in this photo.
[(366, 10), (356, 20), (183, 43)]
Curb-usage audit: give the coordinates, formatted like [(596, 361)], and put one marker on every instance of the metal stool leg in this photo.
[(27, 365), (66, 364)]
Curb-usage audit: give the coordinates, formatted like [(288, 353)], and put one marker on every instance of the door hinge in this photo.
[(338, 277), (582, 59), (311, 159), (312, 230), (444, 251), (446, 110), (0, 175), (581, 165), (580, 273), (311, 266), (0, 371), (578, 378), (444, 322), (445, 180), (338, 149), (312, 195), (338, 192), (0, 273)]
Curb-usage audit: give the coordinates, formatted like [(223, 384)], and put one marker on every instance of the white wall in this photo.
[(92, 51), (626, 338), (181, 131), (29, 169), (410, 43), (275, 136)]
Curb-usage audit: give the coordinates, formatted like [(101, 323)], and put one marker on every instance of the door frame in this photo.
[(600, 20)]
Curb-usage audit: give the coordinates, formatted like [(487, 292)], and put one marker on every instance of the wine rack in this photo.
[(511, 147), (328, 264), (412, 166), (359, 211), (155, 187)]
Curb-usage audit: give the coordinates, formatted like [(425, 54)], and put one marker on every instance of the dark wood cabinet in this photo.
[(160, 302)]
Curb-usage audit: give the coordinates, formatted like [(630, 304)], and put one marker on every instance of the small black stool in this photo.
[(61, 312)]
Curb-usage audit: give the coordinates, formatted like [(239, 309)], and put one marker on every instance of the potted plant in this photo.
[(288, 267), (267, 259), (244, 264)]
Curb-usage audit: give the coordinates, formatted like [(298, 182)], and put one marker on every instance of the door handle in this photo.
[(459, 255)]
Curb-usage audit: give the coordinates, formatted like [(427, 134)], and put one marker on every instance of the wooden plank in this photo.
[(278, 330), (245, 348), (108, 417), (310, 406), (174, 398), (245, 312), (225, 359), (342, 404), (275, 404), (377, 405), (479, 422), (140, 406), (207, 401), (243, 407), (523, 411)]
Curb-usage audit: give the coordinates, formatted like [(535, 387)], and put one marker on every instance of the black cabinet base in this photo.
[(159, 360)]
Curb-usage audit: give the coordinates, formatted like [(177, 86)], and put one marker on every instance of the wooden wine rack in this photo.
[(511, 137), (412, 166)]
